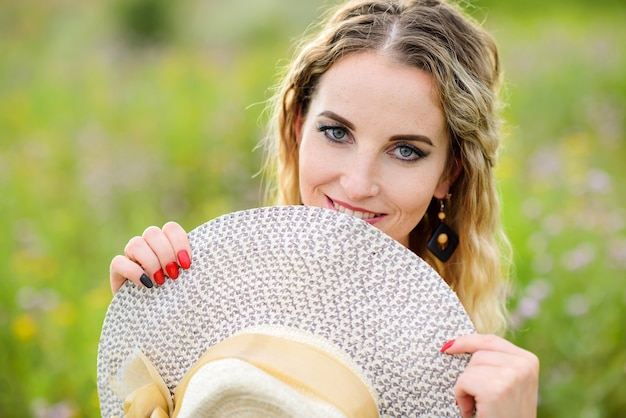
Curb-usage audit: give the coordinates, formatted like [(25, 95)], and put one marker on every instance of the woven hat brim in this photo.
[(308, 268)]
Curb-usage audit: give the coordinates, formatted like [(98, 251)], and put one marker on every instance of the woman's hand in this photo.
[(150, 257), (501, 379)]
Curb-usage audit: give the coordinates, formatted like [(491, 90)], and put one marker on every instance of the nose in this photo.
[(360, 178)]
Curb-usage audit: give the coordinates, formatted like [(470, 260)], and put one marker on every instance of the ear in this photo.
[(448, 178)]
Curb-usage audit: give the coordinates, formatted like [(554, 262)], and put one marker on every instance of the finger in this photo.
[(139, 251), (467, 405), (472, 343), (122, 269), (494, 380), (499, 359), (180, 243), (506, 370), (492, 389), (162, 249), (469, 386)]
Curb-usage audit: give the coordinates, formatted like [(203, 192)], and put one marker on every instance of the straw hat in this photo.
[(286, 311)]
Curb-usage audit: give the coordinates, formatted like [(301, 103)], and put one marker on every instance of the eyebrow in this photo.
[(410, 138), (394, 138), (333, 115)]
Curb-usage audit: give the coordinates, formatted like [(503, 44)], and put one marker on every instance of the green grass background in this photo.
[(120, 114)]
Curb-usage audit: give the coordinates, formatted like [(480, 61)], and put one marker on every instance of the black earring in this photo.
[(444, 240)]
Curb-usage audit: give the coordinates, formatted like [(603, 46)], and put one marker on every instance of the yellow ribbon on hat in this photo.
[(146, 401), (306, 368), (143, 390)]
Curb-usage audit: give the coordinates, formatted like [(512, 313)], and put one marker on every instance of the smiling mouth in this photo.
[(353, 212)]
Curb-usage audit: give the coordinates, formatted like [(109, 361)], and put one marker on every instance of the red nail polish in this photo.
[(172, 270), (447, 345), (183, 259), (159, 277)]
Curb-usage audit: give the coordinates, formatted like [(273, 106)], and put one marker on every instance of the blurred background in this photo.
[(120, 114)]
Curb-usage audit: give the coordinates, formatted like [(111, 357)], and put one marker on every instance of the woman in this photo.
[(390, 113)]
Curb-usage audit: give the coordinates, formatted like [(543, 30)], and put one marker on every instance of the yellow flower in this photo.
[(24, 327)]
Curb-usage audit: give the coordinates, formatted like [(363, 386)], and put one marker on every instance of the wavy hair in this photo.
[(439, 38)]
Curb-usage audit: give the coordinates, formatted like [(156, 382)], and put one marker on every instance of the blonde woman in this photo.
[(390, 112)]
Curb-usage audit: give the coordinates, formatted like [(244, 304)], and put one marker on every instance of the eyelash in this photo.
[(327, 129), (418, 153)]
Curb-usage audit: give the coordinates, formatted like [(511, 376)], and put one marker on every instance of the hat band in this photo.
[(302, 366)]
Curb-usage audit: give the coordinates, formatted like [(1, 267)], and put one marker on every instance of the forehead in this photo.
[(370, 86)]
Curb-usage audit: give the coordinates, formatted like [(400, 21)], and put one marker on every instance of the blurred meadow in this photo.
[(121, 114)]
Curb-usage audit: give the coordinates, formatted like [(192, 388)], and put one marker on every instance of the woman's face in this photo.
[(374, 143)]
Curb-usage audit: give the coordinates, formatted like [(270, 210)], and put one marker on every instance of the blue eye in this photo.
[(407, 152), (334, 133)]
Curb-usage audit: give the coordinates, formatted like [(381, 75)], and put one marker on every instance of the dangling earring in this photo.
[(444, 240)]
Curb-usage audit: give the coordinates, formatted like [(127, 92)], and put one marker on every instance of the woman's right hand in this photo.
[(148, 259)]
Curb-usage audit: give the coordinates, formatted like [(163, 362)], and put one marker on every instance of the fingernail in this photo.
[(447, 345), (172, 270), (183, 259), (159, 277), (145, 280)]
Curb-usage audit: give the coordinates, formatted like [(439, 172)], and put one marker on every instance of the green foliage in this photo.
[(100, 139), (562, 179), (145, 21)]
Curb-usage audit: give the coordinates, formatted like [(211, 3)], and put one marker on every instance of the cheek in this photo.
[(314, 168), (413, 195), (413, 202)]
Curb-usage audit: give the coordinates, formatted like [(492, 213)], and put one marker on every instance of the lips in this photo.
[(356, 212)]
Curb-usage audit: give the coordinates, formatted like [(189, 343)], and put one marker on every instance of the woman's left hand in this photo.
[(501, 379)]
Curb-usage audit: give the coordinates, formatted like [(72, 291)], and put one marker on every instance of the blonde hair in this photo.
[(436, 37)]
